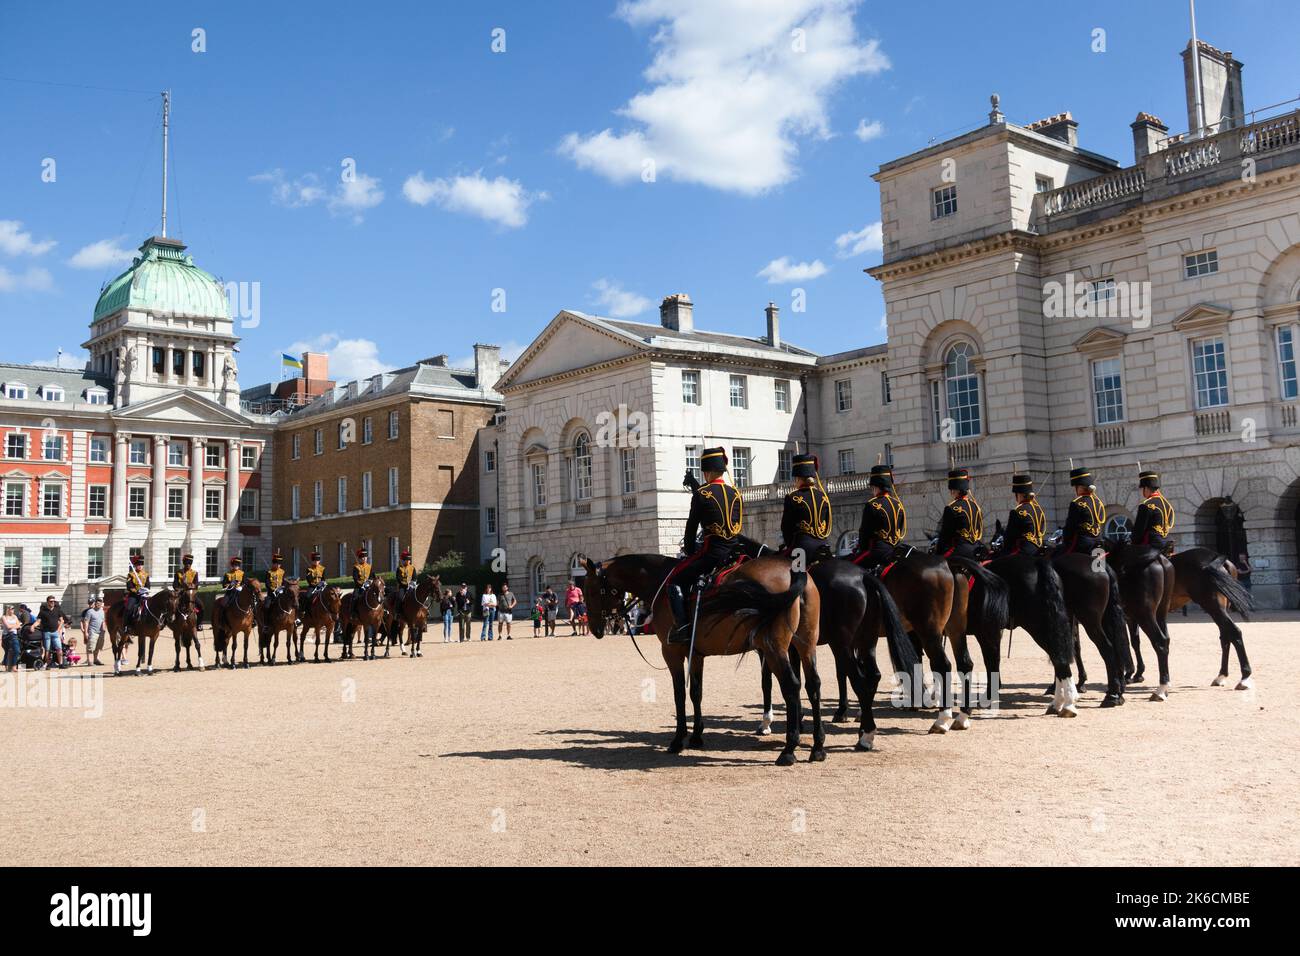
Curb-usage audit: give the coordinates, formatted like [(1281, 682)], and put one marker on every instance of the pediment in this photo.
[(1101, 340), (179, 407), (1203, 315), (570, 342)]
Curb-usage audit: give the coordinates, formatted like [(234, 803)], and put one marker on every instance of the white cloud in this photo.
[(616, 302), (350, 197), (869, 131), (783, 270), (348, 358), (870, 238), (14, 241), (35, 279), (731, 88), (101, 254), (304, 190), (501, 200), (356, 195), (74, 360)]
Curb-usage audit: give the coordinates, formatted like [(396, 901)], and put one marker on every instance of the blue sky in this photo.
[(522, 170)]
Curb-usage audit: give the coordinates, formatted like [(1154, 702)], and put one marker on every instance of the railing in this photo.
[(963, 452), (1288, 416), (1270, 134), (1094, 192), (1112, 436), (1183, 159), (840, 485), (1213, 423)]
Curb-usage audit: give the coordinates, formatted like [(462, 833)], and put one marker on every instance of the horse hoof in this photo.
[(1160, 694), (695, 743), (839, 718), (1137, 678), (939, 727), (1050, 692), (1246, 683), (961, 721), (866, 742), (786, 759), (1051, 711), (818, 755), (764, 729), (1110, 700), (1068, 710), (1080, 687), (1219, 681), (675, 747)]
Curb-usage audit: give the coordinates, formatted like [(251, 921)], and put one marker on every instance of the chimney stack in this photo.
[(1221, 93), (1148, 131), (487, 365), (773, 325), (677, 313), (1061, 126)]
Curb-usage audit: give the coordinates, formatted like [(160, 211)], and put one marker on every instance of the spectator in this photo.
[(10, 625), (1244, 570), (506, 605), (464, 611), (448, 607), (48, 621), (572, 598), (489, 603), (539, 614), (552, 601), (92, 628)]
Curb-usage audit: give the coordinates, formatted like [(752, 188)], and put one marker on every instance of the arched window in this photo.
[(539, 577), (847, 543), (582, 466), (1117, 527), (963, 390)]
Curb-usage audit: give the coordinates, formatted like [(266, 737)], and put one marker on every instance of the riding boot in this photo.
[(681, 632)]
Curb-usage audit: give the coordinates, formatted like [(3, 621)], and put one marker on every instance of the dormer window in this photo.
[(96, 396), (15, 390), (944, 201), (52, 393)]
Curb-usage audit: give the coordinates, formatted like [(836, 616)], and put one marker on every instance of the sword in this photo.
[(695, 617)]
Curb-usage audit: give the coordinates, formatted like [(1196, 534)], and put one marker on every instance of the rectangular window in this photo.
[(248, 505), (159, 361), (295, 562), (295, 447), (139, 452), (740, 467), (490, 520), (176, 503), (1210, 372), (97, 501), (96, 396), (132, 553), (250, 558), (15, 498), (944, 200), (13, 569), (539, 485), (137, 502), (886, 395), (344, 428), (317, 498), (210, 566), (94, 563), (1044, 184), (489, 461), (214, 455), (739, 392), (847, 466), (343, 558), (173, 561), (1108, 390), (392, 425), (15, 390), (248, 457), (394, 554), (343, 494), (781, 393), (197, 363), (178, 363), (318, 442), (693, 459), (936, 411), (888, 455), (365, 490), (1286, 361), (15, 445), (784, 464), (99, 451), (690, 387), (1201, 264), (176, 454), (49, 565), (393, 490), (295, 502), (1100, 293), (52, 393), (367, 430), (843, 395), (52, 448), (627, 457), (212, 504), (444, 420)]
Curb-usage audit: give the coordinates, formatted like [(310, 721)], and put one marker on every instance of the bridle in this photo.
[(623, 606)]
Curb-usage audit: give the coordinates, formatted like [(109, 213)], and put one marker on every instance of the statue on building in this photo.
[(230, 377)]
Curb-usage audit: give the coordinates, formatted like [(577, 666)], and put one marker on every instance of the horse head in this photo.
[(598, 595), (332, 598)]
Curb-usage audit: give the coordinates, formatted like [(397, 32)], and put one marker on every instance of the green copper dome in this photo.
[(164, 279)]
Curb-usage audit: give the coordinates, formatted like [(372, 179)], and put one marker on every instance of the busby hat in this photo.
[(1022, 484), (1149, 479), (277, 557), (236, 560), (137, 559), (882, 476), (362, 552), (186, 558), (804, 466), (713, 459), (314, 555), (959, 480), (1080, 476), (406, 552)]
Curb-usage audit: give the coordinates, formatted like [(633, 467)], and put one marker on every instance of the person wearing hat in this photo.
[(233, 582), (314, 577), (1086, 518), (717, 512), (187, 579), (884, 520), (137, 588), (404, 575), (1155, 516), (806, 518), (1026, 524), (275, 576), (962, 525), (362, 572)]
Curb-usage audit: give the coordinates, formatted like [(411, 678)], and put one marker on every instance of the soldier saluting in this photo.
[(884, 520), (962, 525), (806, 518), (1026, 523), (715, 510), (1086, 518), (1155, 516)]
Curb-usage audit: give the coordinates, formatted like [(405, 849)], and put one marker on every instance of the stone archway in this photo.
[(1220, 525)]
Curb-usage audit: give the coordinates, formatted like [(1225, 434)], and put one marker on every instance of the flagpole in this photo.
[(1196, 73)]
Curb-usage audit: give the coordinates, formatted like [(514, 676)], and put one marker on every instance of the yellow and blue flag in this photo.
[(288, 361)]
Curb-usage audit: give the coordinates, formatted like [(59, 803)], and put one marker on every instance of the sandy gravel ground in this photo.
[(551, 751)]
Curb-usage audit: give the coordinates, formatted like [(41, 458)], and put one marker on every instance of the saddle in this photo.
[(719, 575)]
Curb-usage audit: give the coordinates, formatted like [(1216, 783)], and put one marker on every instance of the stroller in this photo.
[(31, 649)]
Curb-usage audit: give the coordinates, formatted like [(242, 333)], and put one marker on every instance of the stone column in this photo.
[(121, 452), (196, 486), (232, 481), (158, 511)]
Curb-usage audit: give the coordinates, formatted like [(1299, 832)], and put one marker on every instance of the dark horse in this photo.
[(1146, 585), (1092, 598), (363, 608), (412, 614), (230, 619), (1210, 580), (764, 605), (322, 615), (155, 614), (856, 610), (185, 628)]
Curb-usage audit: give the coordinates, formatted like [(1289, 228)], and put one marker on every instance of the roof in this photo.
[(164, 279), (868, 351), (72, 381), (427, 380), (648, 332)]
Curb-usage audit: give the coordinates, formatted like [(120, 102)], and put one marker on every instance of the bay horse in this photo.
[(1210, 580), (980, 608), (763, 605), (324, 611), (156, 612), (856, 610), (230, 619), (413, 614), (367, 614), (1146, 586), (281, 615), (185, 628)]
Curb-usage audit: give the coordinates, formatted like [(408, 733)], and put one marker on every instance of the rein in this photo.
[(631, 630)]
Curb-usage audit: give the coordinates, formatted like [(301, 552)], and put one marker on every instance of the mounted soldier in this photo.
[(186, 581), (362, 572), (806, 518), (716, 510), (137, 588), (1026, 524), (232, 582), (961, 529), (275, 576), (1086, 519), (1155, 516), (404, 577), (314, 579), (884, 520)]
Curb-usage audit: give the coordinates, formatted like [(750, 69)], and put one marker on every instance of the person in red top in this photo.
[(573, 601)]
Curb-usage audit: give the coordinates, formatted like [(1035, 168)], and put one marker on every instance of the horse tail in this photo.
[(990, 602), (1114, 625), (747, 598), (1226, 585), (1061, 640), (901, 652)]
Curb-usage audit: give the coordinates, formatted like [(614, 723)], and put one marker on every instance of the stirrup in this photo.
[(681, 634)]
